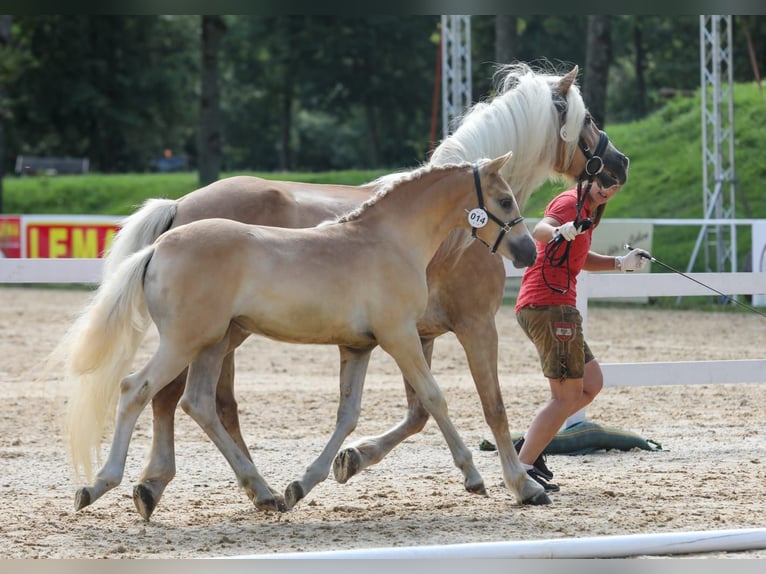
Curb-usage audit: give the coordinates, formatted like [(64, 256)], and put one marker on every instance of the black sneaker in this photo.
[(548, 486), (539, 464)]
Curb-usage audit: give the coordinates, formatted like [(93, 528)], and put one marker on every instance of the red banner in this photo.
[(60, 239), (10, 236)]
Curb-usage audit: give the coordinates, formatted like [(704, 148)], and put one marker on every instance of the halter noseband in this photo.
[(505, 227)]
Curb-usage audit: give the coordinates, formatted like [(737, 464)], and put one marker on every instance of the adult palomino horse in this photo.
[(357, 282), (540, 116)]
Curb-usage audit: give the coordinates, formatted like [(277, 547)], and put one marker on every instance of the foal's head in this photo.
[(496, 220)]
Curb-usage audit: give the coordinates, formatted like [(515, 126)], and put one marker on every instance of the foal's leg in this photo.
[(136, 391), (198, 401), (371, 450), (353, 368), (403, 345), (161, 469), (478, 336)]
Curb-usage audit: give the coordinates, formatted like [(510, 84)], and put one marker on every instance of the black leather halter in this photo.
[(505, 226)]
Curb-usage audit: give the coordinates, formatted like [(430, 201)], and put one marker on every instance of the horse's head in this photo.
[(497, 220), (584, 151)]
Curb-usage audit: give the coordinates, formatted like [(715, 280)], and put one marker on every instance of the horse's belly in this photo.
[(306, 327)]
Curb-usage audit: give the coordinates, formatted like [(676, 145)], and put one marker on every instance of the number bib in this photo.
[(477, 217)]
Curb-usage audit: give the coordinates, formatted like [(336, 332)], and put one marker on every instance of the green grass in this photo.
[(665, 177)]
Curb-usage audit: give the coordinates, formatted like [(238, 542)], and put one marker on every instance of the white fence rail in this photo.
[(590, 285)]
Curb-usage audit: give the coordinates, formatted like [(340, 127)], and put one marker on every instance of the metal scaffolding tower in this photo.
[(456, 68), (718, 238)]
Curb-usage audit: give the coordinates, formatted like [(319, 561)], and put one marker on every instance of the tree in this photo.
[(506, 38), (5, 35), (598, 58), (210, 139)]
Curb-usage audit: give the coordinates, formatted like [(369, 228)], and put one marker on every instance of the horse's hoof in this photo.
[(538, 499), (276, 504), (144, 501), (293, 494), (477, 488), (346, 465), (81, 498)]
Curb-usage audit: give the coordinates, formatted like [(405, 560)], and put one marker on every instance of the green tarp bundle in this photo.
[(586, 437)]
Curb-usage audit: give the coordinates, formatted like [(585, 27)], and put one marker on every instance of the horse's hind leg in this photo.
[(198, 401), (478, 336), (353, 368), (161, 467), (136, 391), (371, 450)]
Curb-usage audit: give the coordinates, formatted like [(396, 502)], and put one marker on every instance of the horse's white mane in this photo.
[(522, 118), (385, 183)]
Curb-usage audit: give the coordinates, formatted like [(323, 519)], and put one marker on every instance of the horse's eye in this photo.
[(506, 204)]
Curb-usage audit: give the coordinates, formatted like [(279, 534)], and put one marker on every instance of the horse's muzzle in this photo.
[(523, 251)]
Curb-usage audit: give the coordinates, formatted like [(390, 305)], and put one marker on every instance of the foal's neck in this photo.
[(420, 214)]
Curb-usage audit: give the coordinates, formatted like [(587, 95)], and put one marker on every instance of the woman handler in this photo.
[(545, 309)]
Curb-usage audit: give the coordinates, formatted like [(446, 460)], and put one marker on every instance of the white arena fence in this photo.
[(590, 285)]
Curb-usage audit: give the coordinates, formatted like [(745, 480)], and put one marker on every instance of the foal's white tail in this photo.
[(97, 352), (138, 230)]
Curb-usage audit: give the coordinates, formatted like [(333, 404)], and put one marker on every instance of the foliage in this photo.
[(300, 92)]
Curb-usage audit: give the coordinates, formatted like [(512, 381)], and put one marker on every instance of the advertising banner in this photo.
[(10, 236), (57, 236)]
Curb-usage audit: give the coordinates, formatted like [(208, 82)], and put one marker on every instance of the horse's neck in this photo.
[(492, 131)]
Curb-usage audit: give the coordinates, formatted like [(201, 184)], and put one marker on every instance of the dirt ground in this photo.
[(710, 474)]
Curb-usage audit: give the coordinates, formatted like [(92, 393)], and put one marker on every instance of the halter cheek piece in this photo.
[(505, 227), (594, 164)]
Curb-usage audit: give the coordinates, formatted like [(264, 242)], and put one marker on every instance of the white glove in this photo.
[(567, 231), (633, 261)]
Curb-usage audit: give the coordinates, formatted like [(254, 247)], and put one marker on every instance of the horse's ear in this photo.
[(497, 164), (566, 82)]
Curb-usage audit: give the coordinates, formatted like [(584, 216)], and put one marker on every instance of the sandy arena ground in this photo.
[(710, 474)]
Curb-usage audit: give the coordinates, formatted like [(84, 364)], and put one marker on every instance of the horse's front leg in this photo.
[(371, 450), (353, 368), (478, 336), (404, 346)]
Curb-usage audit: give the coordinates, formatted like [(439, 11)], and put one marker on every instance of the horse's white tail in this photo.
[(140, 229), (97, 353)]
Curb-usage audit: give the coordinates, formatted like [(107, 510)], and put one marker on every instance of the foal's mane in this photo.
[(521, 117), (386, 183)]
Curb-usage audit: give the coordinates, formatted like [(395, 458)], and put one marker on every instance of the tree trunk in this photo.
[(506, 39), (598, 57), (640, 66), (210, 140), (286, 124), (373, 134), (5, 37)]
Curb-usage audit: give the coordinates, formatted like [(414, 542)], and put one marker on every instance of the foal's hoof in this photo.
[(293, 494), (144, 501), (346, 465), (477, 488), (81, 498), (276, 504), (537, 499)]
